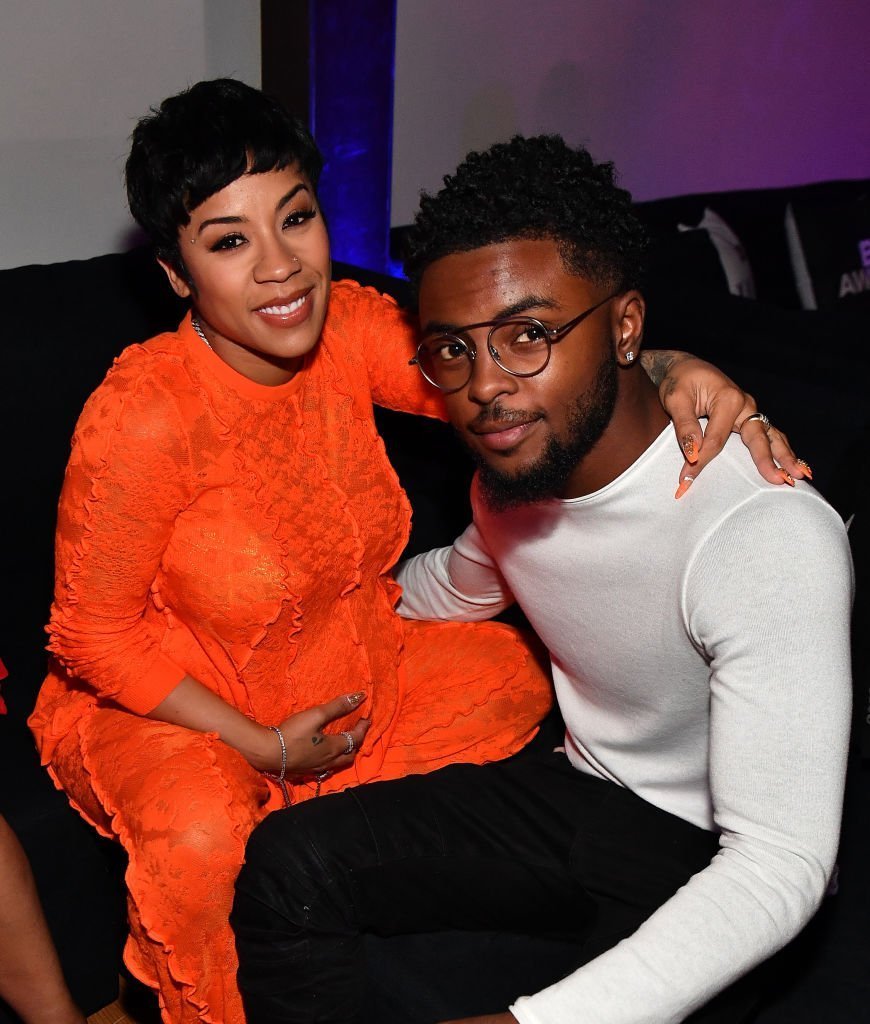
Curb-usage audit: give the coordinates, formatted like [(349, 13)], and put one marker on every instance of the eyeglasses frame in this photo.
[(553, 336)]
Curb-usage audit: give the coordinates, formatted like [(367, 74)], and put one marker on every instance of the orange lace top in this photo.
[(239, 533)]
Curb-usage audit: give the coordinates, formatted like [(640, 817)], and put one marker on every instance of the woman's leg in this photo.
[(475, 692), (31, 980), (182, 804)]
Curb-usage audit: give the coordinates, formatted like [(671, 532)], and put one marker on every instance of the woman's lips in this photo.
[(287, 312)]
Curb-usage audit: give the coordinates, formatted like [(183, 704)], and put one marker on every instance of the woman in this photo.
[(31, 979), (225, 534)]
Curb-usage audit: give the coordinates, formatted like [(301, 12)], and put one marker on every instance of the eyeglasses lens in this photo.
[(446, 362), (518, 346), (522, 346)]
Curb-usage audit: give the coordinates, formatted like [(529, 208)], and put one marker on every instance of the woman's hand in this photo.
[(690, 387), (310, 751)]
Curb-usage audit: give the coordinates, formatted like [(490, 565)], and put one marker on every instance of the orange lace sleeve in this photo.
[(386, 336), (123, 489)]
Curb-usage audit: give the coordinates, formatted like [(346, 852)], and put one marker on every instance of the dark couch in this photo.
[(66, 322)]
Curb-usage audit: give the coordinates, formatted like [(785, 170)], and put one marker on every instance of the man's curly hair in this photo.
[(536, 188)]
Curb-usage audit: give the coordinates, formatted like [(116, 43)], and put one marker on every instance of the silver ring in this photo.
[(351, 743), (756, 416)]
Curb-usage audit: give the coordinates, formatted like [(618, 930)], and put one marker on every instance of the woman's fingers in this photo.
[(705, 391), (768, 446), (700, 448), (770, 451), (335, 752), (338, 707), (754, 435), (341, 750), (782, 452), (689, 436), (311, 751)]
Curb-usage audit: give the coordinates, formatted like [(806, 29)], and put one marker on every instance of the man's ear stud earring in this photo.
[(629, 357)]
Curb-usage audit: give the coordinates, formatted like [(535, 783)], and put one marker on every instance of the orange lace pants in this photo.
[(183, 804)]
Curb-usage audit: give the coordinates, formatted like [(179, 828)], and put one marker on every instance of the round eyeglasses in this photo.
[(521, 346)]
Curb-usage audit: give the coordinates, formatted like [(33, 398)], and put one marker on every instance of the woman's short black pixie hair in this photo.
[(535, 187), (200, 141)]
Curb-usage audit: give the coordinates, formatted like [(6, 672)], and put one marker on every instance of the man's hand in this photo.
[(492, 1018), (690, 387)]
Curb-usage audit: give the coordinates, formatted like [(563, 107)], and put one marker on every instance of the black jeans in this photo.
[(528, 845)]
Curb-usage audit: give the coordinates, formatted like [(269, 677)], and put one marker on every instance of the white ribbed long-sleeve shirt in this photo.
[(700, 653)]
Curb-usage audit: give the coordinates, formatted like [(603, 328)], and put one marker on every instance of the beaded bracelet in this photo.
[(279, 778)]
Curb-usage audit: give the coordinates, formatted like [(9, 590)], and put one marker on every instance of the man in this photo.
[(689, 826)]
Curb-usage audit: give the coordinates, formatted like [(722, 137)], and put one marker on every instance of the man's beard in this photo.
[(548, 477)]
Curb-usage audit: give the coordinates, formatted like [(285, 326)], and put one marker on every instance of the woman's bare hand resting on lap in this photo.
[(310, 751)]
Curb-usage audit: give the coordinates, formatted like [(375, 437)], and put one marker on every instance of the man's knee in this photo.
[(298, 861)]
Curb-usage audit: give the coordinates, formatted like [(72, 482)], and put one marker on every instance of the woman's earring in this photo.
[(629, 357)]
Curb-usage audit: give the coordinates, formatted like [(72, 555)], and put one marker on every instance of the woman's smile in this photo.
[(287, 311)]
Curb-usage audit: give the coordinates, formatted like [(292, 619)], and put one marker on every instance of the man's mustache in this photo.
[(495, 415)]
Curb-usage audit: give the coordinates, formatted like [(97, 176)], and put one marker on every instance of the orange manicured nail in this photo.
[(787, 477), (805, 466), (690, 447), (685, 484)]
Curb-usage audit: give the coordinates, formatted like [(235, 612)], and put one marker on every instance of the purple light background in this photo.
[(684, 95)]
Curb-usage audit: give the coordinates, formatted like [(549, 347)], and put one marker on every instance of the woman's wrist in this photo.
[(261, 748), (195, 707)]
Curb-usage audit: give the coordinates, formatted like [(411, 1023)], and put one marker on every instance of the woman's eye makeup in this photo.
[(296, 217), (235, 239), (225, 242)]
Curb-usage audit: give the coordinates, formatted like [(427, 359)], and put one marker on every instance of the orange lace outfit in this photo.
[(243, 535)]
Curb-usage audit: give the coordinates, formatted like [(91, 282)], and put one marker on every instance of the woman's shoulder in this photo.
[(359, 313), (162, 358), (356, 304), (149, 381)]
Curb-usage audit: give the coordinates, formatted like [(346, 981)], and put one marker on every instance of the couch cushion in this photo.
[(731, 252), (757, 218), (829, 247)]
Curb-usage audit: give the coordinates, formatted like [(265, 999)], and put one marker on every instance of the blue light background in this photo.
[(352, 72)]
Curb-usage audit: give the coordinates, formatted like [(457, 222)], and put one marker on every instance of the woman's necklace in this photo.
[(195, 324)]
